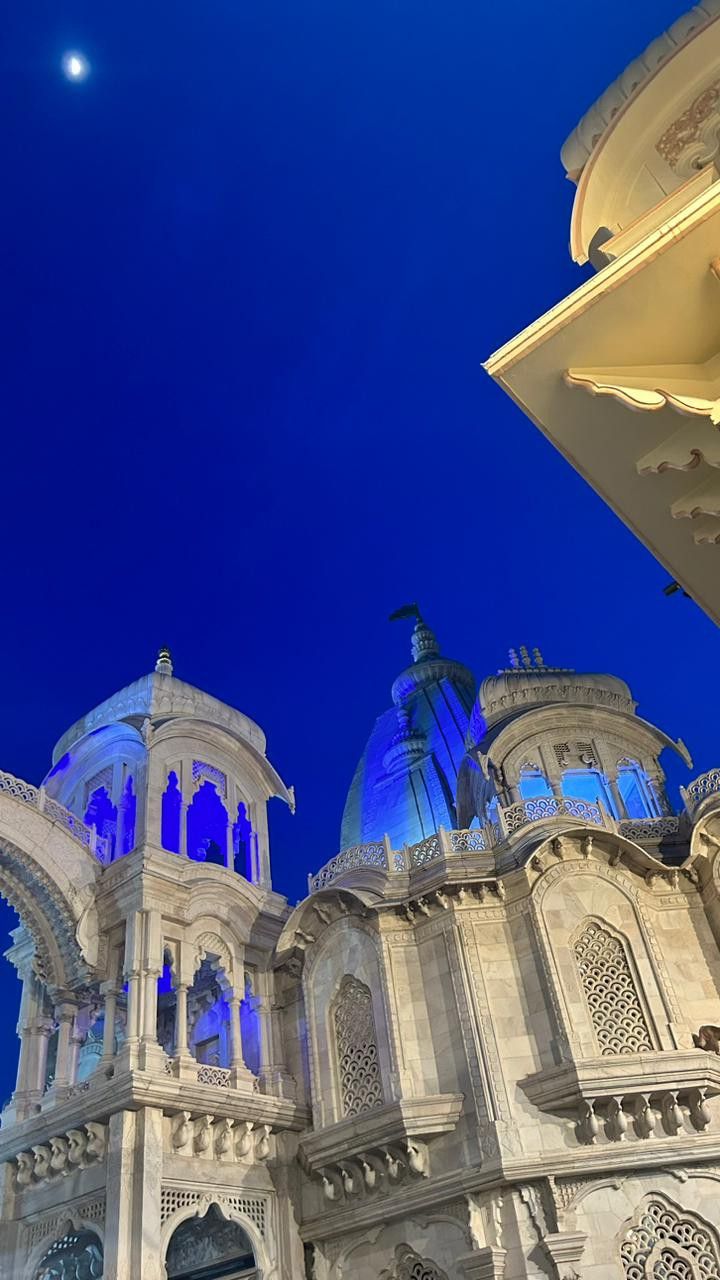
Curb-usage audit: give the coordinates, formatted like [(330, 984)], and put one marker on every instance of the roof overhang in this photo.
[(641, 337)]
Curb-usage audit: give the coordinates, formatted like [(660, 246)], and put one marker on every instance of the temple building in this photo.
[(623, 376), (484, 1047)]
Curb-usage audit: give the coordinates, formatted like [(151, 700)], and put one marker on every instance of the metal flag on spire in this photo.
[(406, 611)]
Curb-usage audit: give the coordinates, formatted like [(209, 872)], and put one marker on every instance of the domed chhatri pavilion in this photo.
[(483, 1046)]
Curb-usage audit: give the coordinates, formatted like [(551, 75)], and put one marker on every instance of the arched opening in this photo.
[(532, 782), (101, 814), (250, 1027), (244, 845), (590, 785), (76, 1254), (129, 812), (636, 790), (210, 1248), (170, 816), (207, 824)]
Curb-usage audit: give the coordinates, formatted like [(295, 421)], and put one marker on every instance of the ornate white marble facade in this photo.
[(471, 1057)]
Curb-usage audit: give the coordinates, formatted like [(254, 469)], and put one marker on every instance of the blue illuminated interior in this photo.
[(533, 783), (242, 843), (102, 815), (207, 824), (588, 784), (637, 793), (129, 803), (170, 816)]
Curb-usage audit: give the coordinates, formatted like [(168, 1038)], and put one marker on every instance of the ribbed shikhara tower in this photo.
[(482, 1048)]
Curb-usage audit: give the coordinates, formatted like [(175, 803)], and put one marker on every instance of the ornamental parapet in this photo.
[(703, 788), (38, 799), (379, 855), (511, 821)]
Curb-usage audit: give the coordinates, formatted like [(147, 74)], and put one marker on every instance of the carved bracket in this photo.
[(61, 1155), (237, 1141)]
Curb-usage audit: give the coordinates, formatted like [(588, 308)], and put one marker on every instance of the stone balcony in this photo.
[(377, 1149), (205, 1107), (639, 1095)]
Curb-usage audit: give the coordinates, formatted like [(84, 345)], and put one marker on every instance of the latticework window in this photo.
[(612, 996), (669, 1244), (360, 1083)]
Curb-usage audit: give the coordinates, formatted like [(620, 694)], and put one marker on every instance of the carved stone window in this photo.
[(667, 1243), (611, 992), (410, 1266), (357, 1055)]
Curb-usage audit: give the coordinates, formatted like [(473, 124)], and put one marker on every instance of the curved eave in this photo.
[(648, 89), (529, 721), (209, 730), (304, 919), (658, 300)]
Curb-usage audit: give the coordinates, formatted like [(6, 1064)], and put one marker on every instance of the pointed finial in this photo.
[(164, 666), (514, 660), (538, 658), (424, 641), (525, 656)]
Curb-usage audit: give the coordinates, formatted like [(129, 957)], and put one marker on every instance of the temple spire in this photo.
[(424, 642)]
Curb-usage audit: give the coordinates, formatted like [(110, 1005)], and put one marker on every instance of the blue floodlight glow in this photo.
[(75, 65)]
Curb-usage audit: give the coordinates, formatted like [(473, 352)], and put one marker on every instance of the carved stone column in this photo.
[(132, 1224), (241, 1075), (487, 1263), (181, 1023), (109, 992), (565, 1249), (65, 1017)]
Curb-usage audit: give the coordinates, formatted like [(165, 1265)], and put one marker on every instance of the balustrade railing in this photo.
[(640, 829), (219, 1077), (449, 844), (540, 808), (707, 784), (38, 799)]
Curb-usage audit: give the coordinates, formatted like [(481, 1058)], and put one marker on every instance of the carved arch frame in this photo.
[(688, 1215), (321, 1027), (73, 1222), (662, 1003), (54, 919), (267, 1267), (628, 953)]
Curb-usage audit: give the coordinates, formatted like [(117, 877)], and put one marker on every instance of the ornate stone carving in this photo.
[(691, 141), (410, 1266), (668, 1243), (253, 1207), (62, 1153)]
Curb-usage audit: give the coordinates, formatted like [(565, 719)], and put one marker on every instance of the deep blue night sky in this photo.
[(251, 268)]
